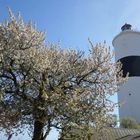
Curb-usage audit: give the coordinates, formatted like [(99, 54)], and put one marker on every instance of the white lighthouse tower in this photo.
[(127, 50)]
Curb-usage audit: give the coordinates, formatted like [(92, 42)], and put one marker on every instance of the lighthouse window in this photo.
[(129, 94), (131, 65)]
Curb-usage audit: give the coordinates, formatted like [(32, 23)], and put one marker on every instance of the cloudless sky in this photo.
[(72, 21)]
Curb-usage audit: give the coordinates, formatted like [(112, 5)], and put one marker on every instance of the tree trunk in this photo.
[(38, 130)]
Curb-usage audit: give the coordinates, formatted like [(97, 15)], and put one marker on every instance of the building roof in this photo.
[(111, 134), (130, 137), (120, 134)]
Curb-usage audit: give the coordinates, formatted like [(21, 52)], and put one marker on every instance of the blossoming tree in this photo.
[(45, 86)]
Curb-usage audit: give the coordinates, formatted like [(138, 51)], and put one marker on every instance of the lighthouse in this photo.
[(127, 51)]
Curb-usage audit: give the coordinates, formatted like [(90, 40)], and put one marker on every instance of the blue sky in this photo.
[(72, 21)]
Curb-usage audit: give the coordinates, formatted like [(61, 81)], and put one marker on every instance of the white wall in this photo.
[(129, 96), (127, 43)]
